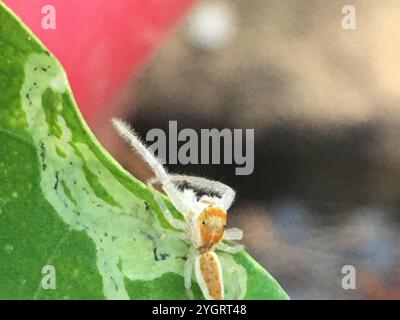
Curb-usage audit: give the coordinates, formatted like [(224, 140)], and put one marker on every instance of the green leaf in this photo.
[(65, 202)]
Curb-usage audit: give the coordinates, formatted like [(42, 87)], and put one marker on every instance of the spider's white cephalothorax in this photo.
[(204, 222)]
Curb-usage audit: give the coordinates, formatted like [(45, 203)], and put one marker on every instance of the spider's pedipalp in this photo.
[(233, 234)]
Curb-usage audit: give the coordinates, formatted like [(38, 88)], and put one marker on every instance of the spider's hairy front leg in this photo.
[(226, 193), (126, 132), (235, 248), (176, 223)]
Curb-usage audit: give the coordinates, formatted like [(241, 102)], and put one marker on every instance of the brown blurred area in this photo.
[(325, 106)]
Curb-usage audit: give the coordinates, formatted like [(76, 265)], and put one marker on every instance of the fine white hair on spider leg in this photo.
[(127, 133)]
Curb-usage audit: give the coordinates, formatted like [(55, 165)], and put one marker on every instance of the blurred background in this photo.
[(325, 106), (324, 103)]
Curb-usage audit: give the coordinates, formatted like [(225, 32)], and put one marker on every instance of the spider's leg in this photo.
[(126, 132), (233, 234), (176, 223), (226, 193), (189, 265), (233, 269), (183, 236), (230, 249), (188, 200)]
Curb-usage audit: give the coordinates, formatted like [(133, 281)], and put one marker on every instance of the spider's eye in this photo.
[(203, 222)]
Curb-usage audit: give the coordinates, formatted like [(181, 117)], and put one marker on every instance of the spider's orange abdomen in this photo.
[(211, 224), (209, 275)]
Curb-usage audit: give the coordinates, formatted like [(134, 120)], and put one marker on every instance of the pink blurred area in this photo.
[(101, 44)]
